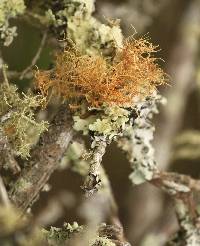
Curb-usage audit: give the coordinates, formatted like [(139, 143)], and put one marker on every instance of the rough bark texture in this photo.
[(44, 160)]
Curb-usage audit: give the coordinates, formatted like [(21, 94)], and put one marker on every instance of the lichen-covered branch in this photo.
[(44, 160), (103, 203), (93, 180), (108, 88), (175, 183), (137, 140), (181, 68), (140, 153), (189, 232), (181, 188)]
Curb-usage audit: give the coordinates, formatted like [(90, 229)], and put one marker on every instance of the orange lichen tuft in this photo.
[(77, 78)]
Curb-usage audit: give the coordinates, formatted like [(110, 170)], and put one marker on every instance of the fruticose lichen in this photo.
[(17, 118), (107, 81), (9, 9), (95, 81)]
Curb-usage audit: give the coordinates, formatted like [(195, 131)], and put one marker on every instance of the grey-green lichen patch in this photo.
[(189, 233), (68, 15), (137, 140), (112, 123), (17, 118), (9, 9)]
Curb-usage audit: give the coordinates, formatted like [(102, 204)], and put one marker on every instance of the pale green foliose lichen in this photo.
[(83, 124), (58, 236), (109, 122), (91, 36), (9, 9)]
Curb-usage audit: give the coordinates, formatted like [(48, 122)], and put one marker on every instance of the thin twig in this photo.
[(36, 57), (16, 74), (92, 181), (175, 183)]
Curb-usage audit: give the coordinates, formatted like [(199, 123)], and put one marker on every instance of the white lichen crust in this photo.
[(189, 232), (137, 140)]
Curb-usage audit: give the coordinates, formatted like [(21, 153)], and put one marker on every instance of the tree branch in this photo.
[(92, 181), (44, 160), (174, 183), (181, 188)]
